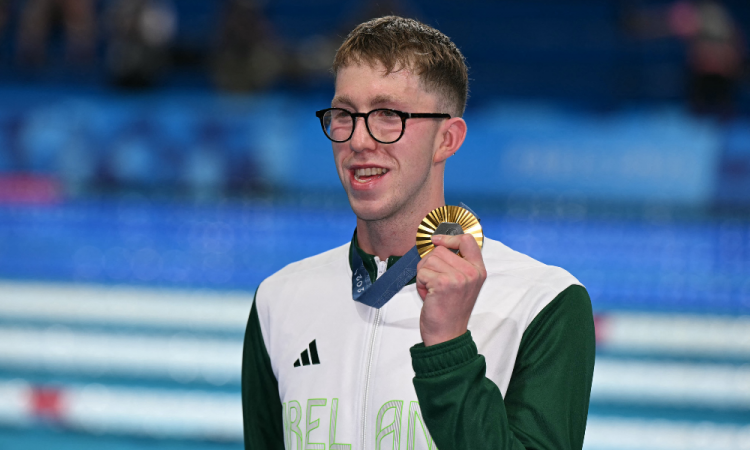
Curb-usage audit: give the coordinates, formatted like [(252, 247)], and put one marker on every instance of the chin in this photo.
[(371, 210)]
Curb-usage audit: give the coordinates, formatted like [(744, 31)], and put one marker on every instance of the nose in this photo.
[(361, 139)]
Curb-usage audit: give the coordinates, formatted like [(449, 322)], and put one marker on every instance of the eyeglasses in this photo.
[(384, 125)]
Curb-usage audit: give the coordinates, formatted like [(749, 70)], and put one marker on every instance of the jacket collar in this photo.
[(369, 260)]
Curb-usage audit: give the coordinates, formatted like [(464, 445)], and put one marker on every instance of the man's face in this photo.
[(399, 173)]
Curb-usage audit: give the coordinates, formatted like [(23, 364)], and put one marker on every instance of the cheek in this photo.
[(416, 158), (339, 155)]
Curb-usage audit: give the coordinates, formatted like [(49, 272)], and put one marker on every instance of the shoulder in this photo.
[(500, 260), (313, 266), (303, 274), (529, 285)]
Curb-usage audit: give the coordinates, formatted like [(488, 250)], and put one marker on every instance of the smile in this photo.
[(367, 174)]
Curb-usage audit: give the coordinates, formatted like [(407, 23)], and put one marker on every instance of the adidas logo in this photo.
[(306, 357)]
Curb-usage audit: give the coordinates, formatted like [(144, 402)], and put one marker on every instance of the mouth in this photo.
[(366, 174)]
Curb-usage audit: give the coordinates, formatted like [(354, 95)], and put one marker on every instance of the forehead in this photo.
[(365, 85)]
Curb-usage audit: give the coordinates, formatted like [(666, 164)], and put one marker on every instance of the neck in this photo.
[(394, 236)]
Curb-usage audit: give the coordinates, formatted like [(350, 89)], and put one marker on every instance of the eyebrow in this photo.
[(378, 100), (343, 99), (383, 99)]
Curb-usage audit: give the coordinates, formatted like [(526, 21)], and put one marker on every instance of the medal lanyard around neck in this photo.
[(377, 294)]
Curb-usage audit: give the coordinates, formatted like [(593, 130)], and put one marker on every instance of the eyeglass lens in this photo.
[(384, 125)]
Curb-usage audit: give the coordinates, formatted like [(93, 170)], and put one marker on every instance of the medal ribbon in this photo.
[(384, 288)]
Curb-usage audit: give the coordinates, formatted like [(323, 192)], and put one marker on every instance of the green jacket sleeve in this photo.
[(261, 407), (547, 400)]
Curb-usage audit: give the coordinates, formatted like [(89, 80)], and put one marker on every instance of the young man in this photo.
[(486, 349)]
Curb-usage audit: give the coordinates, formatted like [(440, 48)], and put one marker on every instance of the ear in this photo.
[(449, 139)]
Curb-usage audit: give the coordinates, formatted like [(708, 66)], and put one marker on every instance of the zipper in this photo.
[(382, 267), (367, 376)]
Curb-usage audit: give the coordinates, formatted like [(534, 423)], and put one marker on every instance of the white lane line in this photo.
[(640, 434), (181, 357), (203, 415), (671, 383), (14, 402), (186, 358), (121, 305), (103, 409), (187, 414), (689, 335)]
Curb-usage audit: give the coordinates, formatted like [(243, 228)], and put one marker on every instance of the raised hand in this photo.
[(449, 285)]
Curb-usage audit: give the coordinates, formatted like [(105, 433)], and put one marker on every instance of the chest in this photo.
[(344, 369)]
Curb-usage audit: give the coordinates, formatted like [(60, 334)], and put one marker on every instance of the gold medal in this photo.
[(451, 220)]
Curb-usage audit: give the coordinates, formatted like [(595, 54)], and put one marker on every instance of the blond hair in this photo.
[(398, 43)]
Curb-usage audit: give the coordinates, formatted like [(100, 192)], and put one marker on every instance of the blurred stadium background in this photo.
[(159, 158)]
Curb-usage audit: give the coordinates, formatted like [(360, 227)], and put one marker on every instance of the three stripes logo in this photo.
[(310, 354)]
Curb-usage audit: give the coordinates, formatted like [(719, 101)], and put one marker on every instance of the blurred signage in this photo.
[(209, 147), (649, 156)]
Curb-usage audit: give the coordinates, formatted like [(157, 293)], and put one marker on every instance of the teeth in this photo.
[(369, 171)]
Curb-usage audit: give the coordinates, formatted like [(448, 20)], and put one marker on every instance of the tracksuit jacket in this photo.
[(322, 371)]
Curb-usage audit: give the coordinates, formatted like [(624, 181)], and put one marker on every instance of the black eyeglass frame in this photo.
[(401, 114)]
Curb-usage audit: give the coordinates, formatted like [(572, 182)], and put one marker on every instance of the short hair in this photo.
[(399, 43)]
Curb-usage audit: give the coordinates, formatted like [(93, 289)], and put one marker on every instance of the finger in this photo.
[(435, 253), (465, 243), (446, 240), (424, 260), (457, 267), (426, 276), (469, 248), (452, 262), (442, 260)]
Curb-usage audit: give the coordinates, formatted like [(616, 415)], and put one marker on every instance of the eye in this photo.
[(340, 116), (386, 116), (339, 113)]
